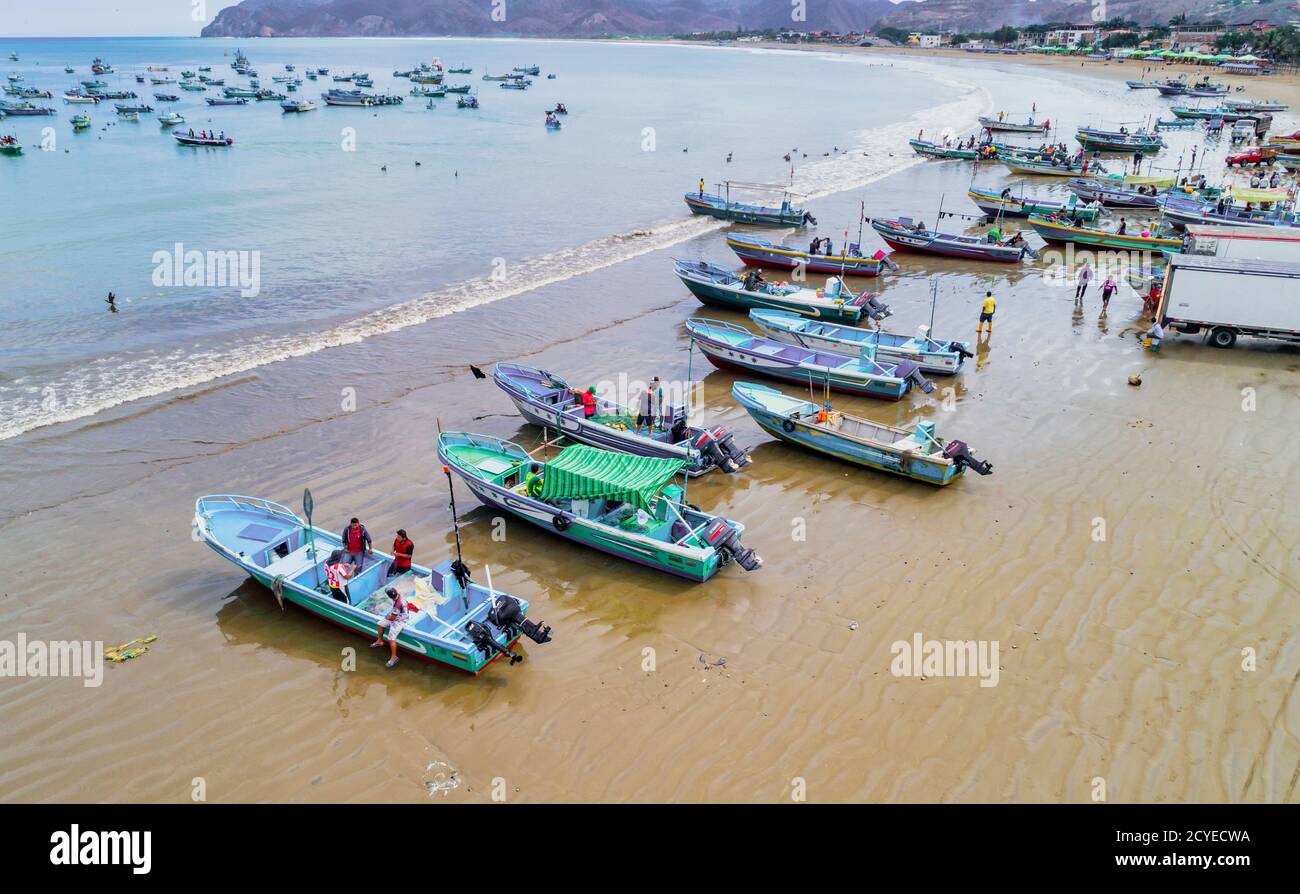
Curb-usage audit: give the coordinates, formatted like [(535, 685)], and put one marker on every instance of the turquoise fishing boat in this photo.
[(931, 355), (1064, 231), (715, 286), (939, 151), (622, 505), (723, 208), (913, 452), (1005, 203), (453, 621)]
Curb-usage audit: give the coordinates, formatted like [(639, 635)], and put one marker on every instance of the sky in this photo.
[(106, 18)]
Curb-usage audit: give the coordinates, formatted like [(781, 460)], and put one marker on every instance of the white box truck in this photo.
[(1228, 297), (1247, 243)]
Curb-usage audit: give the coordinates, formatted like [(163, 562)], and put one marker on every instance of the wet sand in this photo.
[(1120, 659)]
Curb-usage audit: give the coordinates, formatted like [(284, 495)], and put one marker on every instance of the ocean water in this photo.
[(345, 249)]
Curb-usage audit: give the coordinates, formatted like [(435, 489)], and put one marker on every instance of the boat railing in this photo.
[(203, 505), (449, 438), (696, 322)]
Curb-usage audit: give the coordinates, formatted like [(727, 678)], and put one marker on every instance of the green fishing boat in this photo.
[(463, 88), (10, 146), (622, 505), (936, 150), (1063, 231), (434, 92), (80, 122)]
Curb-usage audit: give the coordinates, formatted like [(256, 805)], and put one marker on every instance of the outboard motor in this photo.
[(507, 615), (959, 348), (720, 446), (958, 452), (909, 370), (726, 541), (877, 310)]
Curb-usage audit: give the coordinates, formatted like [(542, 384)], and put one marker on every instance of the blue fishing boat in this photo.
[(904, 235), (545, 399), (622, 505), (453, 621), (728, 346), (1238, 208), (715, 286), (723, 208), (913, 452), (931, 355)]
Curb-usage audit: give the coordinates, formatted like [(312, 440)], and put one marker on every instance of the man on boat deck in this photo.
[(588, 399), (987, 310), (701, 187), (645, 410), (396, 620), (337, 574), (403, 550), (657, 404), (356, 543)]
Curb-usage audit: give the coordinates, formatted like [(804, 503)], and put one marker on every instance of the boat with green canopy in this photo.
[(622, 505)]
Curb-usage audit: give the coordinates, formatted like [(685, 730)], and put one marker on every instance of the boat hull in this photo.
[(1061, 232), (716, 295), (734, 358), (903, 239), (712, 206), (942, 362), (992, 204)]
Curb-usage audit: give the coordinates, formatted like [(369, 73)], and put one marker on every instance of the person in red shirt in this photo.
[(356, 543), (588, 398), (403, 549)]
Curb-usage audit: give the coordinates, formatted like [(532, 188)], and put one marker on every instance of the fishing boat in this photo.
[(547, 400), (74, 98), (552, 123), (904, 235), (322, 71), (1063, 231), (80, 122), (363, 82), (728, 346), (761, 253), (298, 105), (435, 92), (213, 101), (936, 150), (622, 505), (33, 93), (1003, 126), (1262, 119), (9, 145), (1129, 191), (1141, 85), (128, 116), (426, 79), (531, 70), (460, 71), (24, 109), (166, 97), (1238, 208), (1289, 161), (930, 354), (452, 620), (239, 93), (1203, 87), (137, 108), (68, 69), (462, 88), (914, 452), (1095, 140), (515, 85), (723, 208), (467, 102), (186, 139), (158, 82), (1175, 124), (1251, 106), (347, 98), (715, 286), (1005, 203), (1052, 167), (13, 57), (171, 119), (115, 94), (192, 87), (488, 77)]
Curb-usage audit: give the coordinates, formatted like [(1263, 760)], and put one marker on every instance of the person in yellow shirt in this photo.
[(986, 313)]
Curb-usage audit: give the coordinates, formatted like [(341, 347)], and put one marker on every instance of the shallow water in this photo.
[(1120, 657)]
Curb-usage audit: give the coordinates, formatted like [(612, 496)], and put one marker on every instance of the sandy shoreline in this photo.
[(1120, 657)]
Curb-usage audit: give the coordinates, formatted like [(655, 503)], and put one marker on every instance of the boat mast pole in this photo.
[(690, 387), (934, 299), (455, 522)]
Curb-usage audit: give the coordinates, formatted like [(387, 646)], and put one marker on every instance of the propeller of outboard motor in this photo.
[(958, 452), (483, 641), (959, 348), (877, 310), (508, 615)]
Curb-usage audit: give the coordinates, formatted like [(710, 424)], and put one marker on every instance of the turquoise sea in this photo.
[(474, 204)]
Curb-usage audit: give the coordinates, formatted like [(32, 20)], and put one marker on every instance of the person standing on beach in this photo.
[(987, 310), (1084, 277)]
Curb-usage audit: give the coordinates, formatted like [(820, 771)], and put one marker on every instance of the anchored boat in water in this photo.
[(622, 505), (1065, 231), (452, 620), (545, 399), (728, 346), (713, 285), (914, 452), (723, 208), (1005, 203), (930, 354)]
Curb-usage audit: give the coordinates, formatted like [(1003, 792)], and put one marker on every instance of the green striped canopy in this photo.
[(589, 473)]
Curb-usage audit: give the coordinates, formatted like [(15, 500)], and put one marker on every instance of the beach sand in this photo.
[(1132, 545)]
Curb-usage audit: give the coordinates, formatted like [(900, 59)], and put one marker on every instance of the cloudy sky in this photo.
[(105, 18)]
